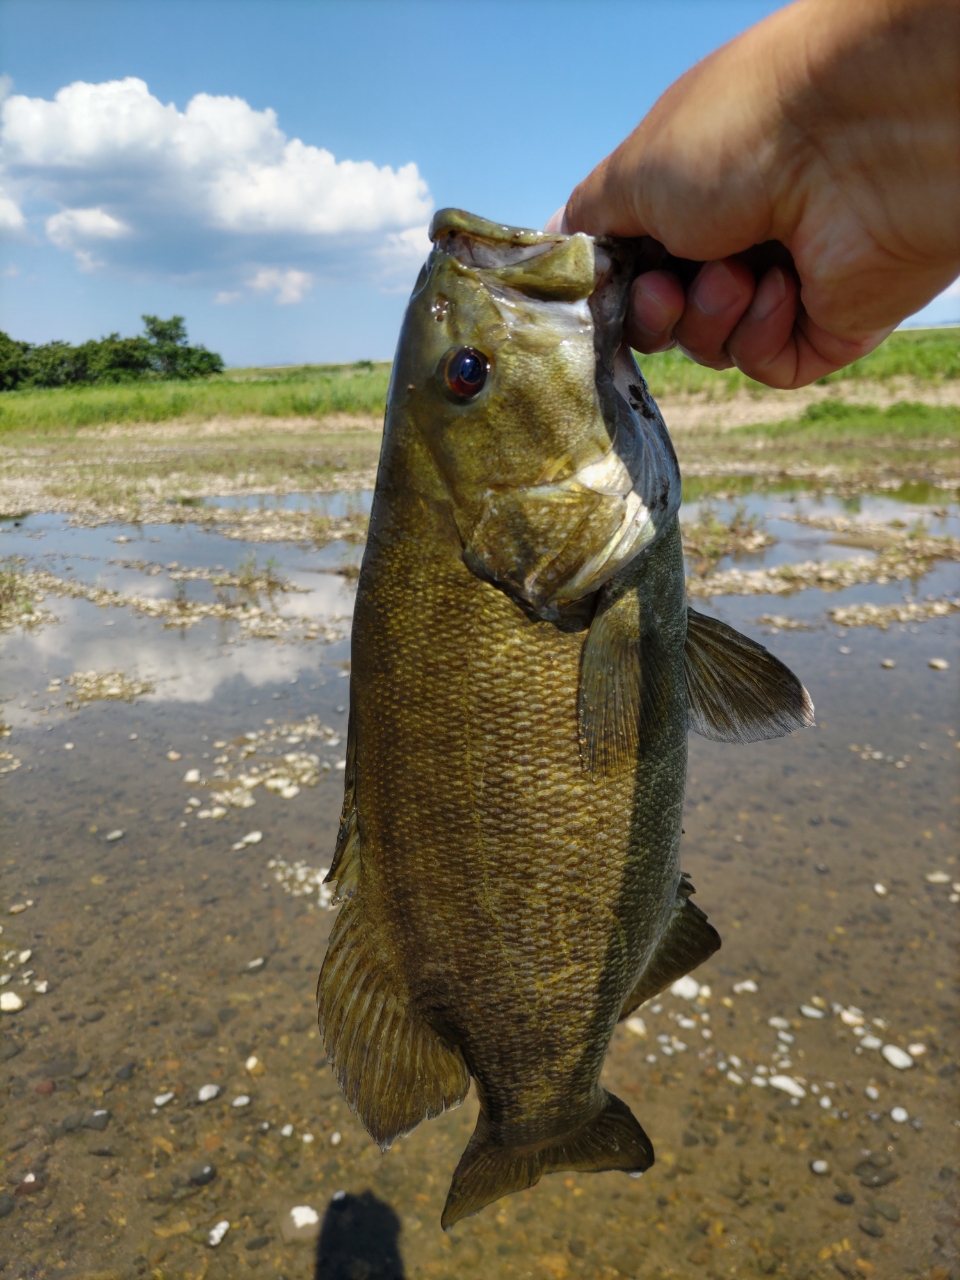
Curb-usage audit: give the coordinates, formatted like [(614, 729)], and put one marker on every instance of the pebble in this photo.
[(897, 1057), (686, 988), (253, 965), (899, 1115), (114, 835), (307, 1138), (301, 1223), (208, 1092), (68, 746), (880, 890), (810, 1011), (888, 663), (162, 1099), (252, 1062), (173, 755), (10, 1002), (637, 1026), (217, 1232), (24, 956), (286, 1131), (916, 1050), (788, 1085), (937, 877), (747, 985), (242, 1101), (42, 987), (203, 1174), (844, 1197), (17, 907), (734, 1078), (780, 1023), (870, 1042), (192, 775), (872, 1092), (826, 1102), (336, 1138), (819, 1167), (939, 664)]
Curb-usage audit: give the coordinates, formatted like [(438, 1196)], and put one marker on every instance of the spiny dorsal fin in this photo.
[(613, 1139), (393, 1068), (737, 691), (624, 686), (688, 940)]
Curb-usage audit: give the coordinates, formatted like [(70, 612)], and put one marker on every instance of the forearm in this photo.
[(832, 126)]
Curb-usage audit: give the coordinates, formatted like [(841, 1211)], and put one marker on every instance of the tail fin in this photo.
[(611, 1140)]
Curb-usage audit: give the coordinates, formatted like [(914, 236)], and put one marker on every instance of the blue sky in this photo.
[(266, 168)]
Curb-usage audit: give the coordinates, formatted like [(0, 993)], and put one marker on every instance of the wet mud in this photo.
[(163, 843)]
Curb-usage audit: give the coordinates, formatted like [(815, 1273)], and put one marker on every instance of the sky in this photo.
[(268, 168)]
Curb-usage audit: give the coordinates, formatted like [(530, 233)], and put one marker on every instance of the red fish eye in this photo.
[(466, 372)]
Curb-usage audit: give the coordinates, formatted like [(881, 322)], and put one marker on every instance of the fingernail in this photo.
[(649, 312), (772, 291), (716, 290)]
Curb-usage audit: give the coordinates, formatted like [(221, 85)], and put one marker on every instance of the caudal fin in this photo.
[(487, 1171)]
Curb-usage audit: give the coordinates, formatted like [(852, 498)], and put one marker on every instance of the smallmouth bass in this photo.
[(524, 673)]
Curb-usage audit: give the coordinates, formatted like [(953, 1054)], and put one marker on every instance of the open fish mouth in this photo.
[(560, 538)]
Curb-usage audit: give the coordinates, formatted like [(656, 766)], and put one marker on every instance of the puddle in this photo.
[(183, 952)]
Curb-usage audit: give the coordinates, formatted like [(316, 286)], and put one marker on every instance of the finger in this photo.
[(556, 223), (717, 298), (656, 304), (777, 343)]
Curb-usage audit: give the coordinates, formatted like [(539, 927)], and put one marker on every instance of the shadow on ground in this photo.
[(359, 1240)]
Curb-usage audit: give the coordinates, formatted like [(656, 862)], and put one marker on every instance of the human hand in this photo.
[(832, 128)]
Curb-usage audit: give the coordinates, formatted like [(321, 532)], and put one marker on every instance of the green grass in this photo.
[(302, 392), (314, 391), (836, 421), (930, 355)]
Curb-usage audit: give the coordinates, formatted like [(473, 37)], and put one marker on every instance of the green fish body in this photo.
[(524, 673)]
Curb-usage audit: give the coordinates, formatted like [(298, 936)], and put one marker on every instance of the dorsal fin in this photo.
[(737, 691)]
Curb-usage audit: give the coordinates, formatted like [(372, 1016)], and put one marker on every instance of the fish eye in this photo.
[(466, 372)]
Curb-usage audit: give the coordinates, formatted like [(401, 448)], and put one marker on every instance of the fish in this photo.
[(524, 672)]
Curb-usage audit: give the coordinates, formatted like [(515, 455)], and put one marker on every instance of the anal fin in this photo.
[(737, 691), (393, 1068), (688, 940), (613, 1139)]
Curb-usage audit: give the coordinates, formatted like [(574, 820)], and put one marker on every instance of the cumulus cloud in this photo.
[(215, 189), (66, 228), (287, 286)]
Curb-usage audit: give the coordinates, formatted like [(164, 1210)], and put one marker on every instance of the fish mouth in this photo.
[(557, 541)]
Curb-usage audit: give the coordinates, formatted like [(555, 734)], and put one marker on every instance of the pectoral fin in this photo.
[(624, 686), (688, 940), (737, 691)]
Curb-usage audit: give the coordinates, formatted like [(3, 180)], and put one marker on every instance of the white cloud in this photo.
[(289, 286), (73, 225), (227, 296), (11, 219), (215, 190)]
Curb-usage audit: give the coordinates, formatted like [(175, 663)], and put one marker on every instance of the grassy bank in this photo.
[(316, 391), (836, 422)]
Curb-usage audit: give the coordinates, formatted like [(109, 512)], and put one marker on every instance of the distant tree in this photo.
[(173, 358), (13, 361), (161, 352)]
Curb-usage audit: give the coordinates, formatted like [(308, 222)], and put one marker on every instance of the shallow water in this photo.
[(148, 945)]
